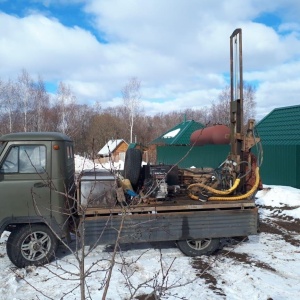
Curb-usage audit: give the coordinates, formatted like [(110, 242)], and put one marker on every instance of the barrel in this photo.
[(216, 135)]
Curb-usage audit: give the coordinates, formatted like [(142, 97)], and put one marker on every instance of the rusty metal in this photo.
[(236, 94), (214, 135), (250, 140)]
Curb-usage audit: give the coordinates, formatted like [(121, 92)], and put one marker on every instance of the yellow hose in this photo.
[(193, 197), (240, 197), (210, 189)]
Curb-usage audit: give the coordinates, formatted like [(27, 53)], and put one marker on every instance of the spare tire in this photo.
[(132, 166)]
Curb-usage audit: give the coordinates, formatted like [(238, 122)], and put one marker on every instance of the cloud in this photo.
[(178, 49), (272, 95), (280, 86), (43, 45), (196, 39)]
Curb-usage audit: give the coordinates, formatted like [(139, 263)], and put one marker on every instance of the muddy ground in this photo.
[(286, 228)]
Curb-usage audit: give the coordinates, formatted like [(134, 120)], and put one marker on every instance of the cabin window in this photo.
[(25, 159)]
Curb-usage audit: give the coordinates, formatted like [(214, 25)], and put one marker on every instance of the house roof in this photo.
[(179, 134), (281, 126), (110, 147), (132, 145)]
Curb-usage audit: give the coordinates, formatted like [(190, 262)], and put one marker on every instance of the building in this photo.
[(280, 136), (173, 147), (114, 150)]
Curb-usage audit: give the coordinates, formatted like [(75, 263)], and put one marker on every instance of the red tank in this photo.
[(216, 134)]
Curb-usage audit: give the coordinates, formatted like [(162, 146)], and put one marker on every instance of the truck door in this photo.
[(25, 170)]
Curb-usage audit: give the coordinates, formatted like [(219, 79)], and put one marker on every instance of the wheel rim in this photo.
[(36, 246), (199, 244)]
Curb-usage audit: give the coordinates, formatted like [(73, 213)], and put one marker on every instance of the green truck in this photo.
[(43, 200)]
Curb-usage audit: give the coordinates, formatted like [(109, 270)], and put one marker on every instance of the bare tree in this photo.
[(249, 101), (66, 101), (24, 104), (41, 105), (219, 113), (25, 94), (9, 103), (103, 128), (81, 131), (132, 101)]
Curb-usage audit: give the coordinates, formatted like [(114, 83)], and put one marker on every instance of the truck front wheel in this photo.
[(31, 245), (198, 247)]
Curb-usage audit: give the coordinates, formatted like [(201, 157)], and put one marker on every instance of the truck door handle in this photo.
[(40, 184)]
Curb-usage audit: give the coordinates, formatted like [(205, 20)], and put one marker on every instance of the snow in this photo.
[(280, 197), (172, 133), (110, 146), (267, 266), (82, 163)]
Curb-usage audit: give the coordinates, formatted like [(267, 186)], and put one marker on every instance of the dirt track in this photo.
[(286, 227)]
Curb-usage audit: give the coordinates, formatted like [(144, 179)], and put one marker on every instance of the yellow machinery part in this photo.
[(126, 185), (240, 197), (212, 190)]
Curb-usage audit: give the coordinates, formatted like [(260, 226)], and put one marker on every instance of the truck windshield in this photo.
[(2, 144)]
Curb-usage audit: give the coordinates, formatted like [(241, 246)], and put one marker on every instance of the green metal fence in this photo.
[(199, 156), (281, 165)]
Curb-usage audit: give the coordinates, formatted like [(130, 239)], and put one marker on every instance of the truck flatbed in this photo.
[(170, 220), (179, 205)]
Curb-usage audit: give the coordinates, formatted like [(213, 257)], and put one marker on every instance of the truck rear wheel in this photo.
[(198, 247), (132, 165), (31, 245)]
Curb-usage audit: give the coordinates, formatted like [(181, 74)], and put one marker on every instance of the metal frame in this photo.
[(236, 91)]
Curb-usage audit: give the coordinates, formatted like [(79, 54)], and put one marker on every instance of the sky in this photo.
[(178, 49)]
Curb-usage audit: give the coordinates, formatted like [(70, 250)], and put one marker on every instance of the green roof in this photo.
[(281, 126), (178, 135), (132, 145)]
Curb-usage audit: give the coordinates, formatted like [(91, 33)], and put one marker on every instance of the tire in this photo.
[(31, 245), (198, 247), (132, 166)]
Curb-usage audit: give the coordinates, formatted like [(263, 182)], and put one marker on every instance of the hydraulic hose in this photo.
[(212, 190), (240, 197)]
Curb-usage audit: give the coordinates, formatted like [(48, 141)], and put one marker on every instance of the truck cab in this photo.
[(36, 178)]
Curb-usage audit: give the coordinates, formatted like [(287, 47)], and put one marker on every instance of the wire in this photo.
[(248, 171)]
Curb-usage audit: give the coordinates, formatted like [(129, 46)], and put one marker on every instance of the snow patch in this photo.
[(278, 196), (82, 163), (171, 134)]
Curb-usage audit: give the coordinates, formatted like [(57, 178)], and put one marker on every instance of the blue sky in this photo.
[(178, 49)]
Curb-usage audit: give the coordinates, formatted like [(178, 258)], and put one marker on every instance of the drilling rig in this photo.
[(238, 177)]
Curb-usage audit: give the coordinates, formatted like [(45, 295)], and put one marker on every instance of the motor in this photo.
[(160, 181)]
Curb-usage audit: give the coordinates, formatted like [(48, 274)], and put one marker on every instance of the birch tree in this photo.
[(132, 101), (66, 103), (9, 104), (25, 93)]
